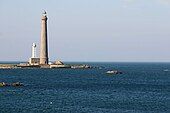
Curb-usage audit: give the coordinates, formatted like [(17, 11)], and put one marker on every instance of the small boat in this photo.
[(113, 72)]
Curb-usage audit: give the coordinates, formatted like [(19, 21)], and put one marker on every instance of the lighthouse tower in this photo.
[(34, 60), (33, 50), (44, 42)]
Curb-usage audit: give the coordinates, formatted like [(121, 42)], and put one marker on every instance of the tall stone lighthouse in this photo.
[(44, 41)]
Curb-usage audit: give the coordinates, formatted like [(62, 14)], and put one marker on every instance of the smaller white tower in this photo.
[(34, 60), (33, 50)]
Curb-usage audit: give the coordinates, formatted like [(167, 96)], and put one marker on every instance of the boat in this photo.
[(114, 72)]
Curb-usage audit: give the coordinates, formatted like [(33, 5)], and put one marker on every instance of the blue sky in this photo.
[(87, 30)]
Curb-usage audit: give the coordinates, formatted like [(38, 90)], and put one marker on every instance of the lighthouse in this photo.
[(34, 60), (33, 50), (44, 40)]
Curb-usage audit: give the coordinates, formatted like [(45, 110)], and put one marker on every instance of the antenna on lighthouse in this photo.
[(33, 50)]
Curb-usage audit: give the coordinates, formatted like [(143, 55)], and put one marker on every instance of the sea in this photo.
[(142, 88)]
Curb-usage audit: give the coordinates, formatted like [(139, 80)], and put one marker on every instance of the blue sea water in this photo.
[(142, 88)]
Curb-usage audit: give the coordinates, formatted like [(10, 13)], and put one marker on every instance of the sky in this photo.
[(87, 30)]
